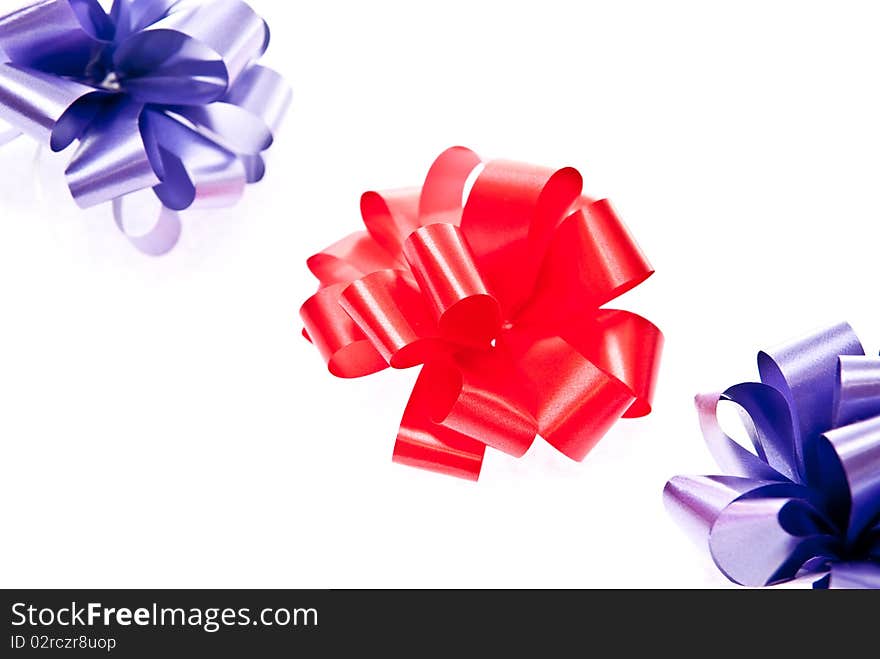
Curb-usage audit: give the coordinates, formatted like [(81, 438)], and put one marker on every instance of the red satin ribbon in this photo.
[(500, 299)]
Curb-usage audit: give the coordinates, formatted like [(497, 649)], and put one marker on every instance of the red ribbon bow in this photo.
[(501, 301)]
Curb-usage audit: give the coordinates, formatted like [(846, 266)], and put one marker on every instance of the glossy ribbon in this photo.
[(807, 498), (501, 300), (161, 94)]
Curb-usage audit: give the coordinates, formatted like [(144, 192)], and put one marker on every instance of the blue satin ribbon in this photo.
[(161, 94), (806, 499)]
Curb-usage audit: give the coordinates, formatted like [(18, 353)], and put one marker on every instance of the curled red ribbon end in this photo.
[(501, 299)]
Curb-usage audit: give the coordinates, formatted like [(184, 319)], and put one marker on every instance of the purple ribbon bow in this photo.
[(161, 94), (808, 499)]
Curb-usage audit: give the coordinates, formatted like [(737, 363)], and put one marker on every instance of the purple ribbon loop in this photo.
[(807, 500), (161, 94)]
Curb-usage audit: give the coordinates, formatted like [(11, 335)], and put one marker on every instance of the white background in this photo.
[(163, 424)]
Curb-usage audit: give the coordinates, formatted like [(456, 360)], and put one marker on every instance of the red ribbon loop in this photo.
[(390, 217), (578, 401), (391, 312), (342, 344), (592, 260), (444, 267), (628, 347), (481, 393), (443, 192), (500, 299), (428, 445), (509, 220), (352, 257)]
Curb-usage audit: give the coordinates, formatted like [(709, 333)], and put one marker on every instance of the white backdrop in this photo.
[(162, 423)]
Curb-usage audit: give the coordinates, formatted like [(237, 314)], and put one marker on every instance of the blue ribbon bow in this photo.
[(808, 498), (161, 94)]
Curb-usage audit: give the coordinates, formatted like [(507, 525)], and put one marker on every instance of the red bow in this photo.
[(500, 300)]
